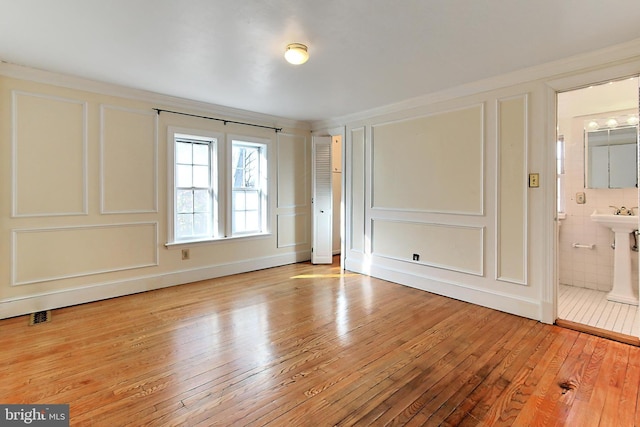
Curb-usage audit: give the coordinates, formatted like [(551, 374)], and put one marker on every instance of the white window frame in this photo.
[(215, 139), (221, 183), (263, 179)]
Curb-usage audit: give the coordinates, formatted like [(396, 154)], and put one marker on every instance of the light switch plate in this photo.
[(534, 180), (580, 198)]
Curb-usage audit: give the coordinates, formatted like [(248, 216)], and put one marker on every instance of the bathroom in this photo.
[(585, 252)]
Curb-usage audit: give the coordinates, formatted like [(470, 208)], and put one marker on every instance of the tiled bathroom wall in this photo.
[(582, 267)]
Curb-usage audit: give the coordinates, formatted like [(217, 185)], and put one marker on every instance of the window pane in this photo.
[(238, 222), (183, 176), (201, 201), (184, 226), (184, 201), (253, 200), (201, 224), (201, 154), (238, 201), (252, 221), (183, 152), (238, 168), (193, 189), (251, 168), (201, 176)]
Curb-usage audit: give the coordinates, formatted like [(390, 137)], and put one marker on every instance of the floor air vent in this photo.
[(40, 317)]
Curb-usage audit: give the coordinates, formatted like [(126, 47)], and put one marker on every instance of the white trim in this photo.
[(14, 260), (14, 155), (203, 242), (16, 306), (525, 199), (509, 303), (154, 209)]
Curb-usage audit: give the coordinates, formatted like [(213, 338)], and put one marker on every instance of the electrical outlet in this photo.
[(534, 180), (581, 198), (185, 254), (416, 257)]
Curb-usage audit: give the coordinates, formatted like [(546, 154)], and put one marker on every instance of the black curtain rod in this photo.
[(219, 120)]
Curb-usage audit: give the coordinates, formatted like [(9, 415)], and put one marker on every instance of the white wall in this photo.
[(448, 182), (84, 193), (445, 176)]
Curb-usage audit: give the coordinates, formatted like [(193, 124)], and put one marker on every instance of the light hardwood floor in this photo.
[(304, 345)]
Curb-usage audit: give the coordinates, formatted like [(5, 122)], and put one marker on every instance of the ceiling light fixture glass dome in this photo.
[(296, 53)]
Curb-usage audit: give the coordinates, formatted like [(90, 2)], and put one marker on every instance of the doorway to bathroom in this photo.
[(597, 189)]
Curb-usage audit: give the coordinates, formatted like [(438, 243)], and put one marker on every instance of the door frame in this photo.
[(553, 87), (331, 132)]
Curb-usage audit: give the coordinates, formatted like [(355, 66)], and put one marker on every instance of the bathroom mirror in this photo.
[(611, 156)]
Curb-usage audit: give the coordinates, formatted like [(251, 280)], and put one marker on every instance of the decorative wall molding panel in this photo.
[(413, 158), (511, 208), (452, 247), (293, 176), (355, 182), (53, 253), (128, 160), (49, 149), (293, 229)]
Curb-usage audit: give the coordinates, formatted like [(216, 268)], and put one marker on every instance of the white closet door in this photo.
[(321, 251)]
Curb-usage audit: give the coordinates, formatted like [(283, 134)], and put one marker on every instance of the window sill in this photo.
[(203, 242)]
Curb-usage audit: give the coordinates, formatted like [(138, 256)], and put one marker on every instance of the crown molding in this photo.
[(21, 72), (612, 55)]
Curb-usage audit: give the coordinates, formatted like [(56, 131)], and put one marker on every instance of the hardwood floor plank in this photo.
[(438, 403), (534, 411), (628, 404), (304, 345)]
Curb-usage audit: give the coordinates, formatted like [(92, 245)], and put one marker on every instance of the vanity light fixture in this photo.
[(632, 120), (612, 123), (593, 125), (296, 53)]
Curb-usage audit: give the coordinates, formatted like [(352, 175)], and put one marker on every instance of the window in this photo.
[(194, 185), (249, 178), (217, 186)]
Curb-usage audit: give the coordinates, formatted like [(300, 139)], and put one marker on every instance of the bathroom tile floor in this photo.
[(590, 307)]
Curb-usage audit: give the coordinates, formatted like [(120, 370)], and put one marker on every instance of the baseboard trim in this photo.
[(18, 306), (602, 333), (511, 304)]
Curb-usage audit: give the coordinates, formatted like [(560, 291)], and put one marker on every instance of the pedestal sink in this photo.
[(623, 290)]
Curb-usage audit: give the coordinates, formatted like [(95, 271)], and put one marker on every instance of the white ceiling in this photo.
[(364, 54)]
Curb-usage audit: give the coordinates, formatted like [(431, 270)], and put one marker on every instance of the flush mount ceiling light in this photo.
[(296, 53)]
